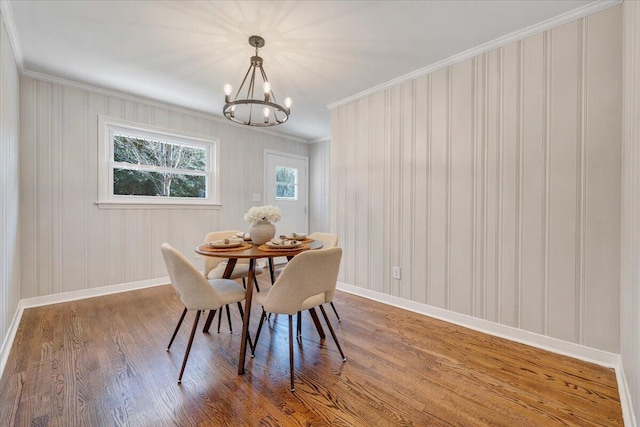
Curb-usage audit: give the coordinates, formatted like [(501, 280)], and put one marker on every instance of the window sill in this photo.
[(164, 204)]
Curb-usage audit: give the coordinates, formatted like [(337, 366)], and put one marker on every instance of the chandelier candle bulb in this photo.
[(227, 92), (267, 91), (265, 112), (288, 101)]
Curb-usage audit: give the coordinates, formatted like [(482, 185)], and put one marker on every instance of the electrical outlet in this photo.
[(396, 272), (256, 197)]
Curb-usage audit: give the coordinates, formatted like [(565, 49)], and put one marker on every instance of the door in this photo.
[(287, 186)]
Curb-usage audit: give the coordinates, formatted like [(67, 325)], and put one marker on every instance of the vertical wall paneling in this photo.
[(71, 244), (601, 172), (419, 193), (318, 187), (361, 161), (493, 184), (10, 248), (377, 179), (461, 162), (405, 234), (437, 189), (531, 185), (547, 82), (630, 245), (563, 145), (492, 122)]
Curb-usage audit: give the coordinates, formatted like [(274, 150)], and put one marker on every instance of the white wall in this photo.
[(68, 243), (630, 275), (494, 184), (319, 211), (9, 187)]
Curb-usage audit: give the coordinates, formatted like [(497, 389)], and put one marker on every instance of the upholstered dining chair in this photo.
[(307, 281), (197, 293), (328, 241), (214, 267)]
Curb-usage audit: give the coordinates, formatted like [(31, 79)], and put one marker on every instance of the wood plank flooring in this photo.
[(102, 362)]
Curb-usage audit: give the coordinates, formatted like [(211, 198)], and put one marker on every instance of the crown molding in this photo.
[(152, 103), (7, 16), (572, 15), (321, 139)]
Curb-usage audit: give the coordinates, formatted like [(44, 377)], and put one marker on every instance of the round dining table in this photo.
[(253, 253)]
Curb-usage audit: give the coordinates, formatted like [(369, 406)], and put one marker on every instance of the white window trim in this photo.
[(106, 198)]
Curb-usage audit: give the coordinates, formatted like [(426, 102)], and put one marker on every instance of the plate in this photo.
[(296, 236), (225, 243), (287, 244)]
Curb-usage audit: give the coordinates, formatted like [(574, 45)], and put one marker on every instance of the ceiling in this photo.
[(317, 52)]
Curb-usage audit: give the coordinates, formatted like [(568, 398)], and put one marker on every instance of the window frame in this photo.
[(108, 127)]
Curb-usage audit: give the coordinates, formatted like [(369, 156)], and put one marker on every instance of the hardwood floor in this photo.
[(102, 361)]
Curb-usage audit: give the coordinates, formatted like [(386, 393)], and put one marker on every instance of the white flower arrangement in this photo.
[(262, 213)]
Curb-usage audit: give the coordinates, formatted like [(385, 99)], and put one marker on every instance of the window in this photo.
[(149, 166), (286, 183)]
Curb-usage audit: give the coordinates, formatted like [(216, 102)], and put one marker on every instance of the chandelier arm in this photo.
[(243, 82), (252, 83)]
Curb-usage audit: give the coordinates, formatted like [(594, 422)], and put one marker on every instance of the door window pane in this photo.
[(286, 183)]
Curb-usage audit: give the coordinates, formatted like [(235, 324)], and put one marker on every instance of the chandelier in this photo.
[(267, 110)]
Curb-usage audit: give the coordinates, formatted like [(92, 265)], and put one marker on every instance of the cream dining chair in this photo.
[(307, 281), (214, 267), (328, 241), (197, 293)]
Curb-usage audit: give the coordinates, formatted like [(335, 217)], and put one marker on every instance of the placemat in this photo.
[(266, 248), (242, 247)]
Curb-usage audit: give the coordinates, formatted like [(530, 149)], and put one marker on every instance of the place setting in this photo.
[(228, 244), (285, 243)]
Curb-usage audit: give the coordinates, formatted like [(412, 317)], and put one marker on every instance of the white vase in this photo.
[(262, 232)]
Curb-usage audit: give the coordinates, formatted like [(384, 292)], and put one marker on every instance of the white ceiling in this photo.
[(317, 52)]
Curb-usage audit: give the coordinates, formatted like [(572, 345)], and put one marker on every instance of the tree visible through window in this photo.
[(147, 167), (286, 183)]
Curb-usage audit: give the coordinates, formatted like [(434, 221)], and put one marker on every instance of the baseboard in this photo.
[(65, 297), (8, 339), (588, 354), (94, 292), (625, 396)]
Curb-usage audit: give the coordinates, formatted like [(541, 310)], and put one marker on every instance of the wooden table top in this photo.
[(254, 252)]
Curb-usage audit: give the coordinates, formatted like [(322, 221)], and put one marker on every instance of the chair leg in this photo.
[(333, 334), (335, 311), (271, 271), (256, 282), (240, 310), (255, 341), (207, 323), (299, 325), (186, 353), (228, 318), (293, 389), (177, 327), (244, 283), (219, 319)]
